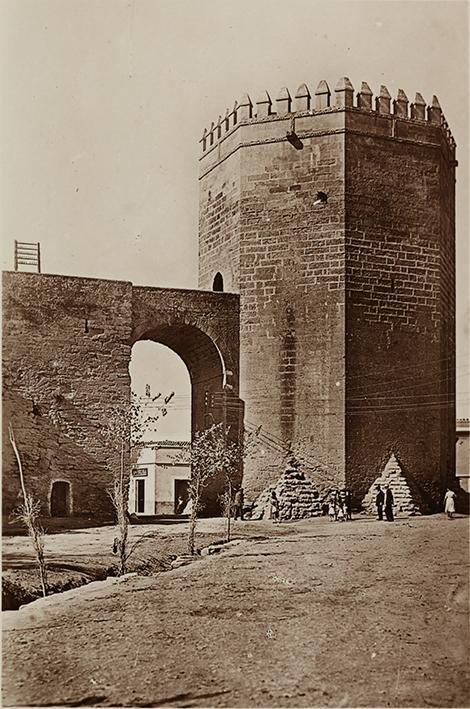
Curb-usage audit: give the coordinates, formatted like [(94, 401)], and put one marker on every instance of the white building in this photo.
[(159, 478), (462, 454)]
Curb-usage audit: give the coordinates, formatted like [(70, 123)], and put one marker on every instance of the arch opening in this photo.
[(181, 361), (218, 282), (160, 469)]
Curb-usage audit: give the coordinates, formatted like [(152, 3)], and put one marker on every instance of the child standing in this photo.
[(331, 511)]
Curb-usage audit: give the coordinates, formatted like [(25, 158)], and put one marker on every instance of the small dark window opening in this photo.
[(218, 284), (86, 325), (392, 285)]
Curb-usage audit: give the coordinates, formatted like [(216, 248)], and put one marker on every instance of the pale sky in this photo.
[(104, 102)]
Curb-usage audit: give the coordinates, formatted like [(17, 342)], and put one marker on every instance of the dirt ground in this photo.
[(79, 556), (362, 613)]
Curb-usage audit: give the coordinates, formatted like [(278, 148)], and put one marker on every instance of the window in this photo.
[(218, 284)]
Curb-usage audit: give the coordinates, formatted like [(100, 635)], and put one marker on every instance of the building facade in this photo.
[(462, 454), (160, 477)]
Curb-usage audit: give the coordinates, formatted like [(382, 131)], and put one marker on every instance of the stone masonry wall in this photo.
[(397, 299), (66, 352), (447, 174), (291, 281), (219, 225)]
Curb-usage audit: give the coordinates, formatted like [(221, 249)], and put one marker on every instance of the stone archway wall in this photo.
[(202, 329), (66, 351)]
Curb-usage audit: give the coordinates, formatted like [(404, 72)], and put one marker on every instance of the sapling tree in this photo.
[(208, 456), (125, 431), (28, 514), (212, 453), (235, 454)]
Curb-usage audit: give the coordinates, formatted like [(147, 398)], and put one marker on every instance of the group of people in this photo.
[(384, 502), (338, 507)]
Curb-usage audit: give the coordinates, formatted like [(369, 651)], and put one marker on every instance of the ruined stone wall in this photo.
[(66, 352)]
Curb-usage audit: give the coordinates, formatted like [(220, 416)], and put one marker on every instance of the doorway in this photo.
[(60, 499), (181, 495), (140, 496)]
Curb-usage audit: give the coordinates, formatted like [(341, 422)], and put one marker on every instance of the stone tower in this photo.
[(333, 217)]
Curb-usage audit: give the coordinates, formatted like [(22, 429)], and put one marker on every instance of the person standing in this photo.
[(388, 504), (449, 503), (379, 502), (331, 511), (274, 506), (239, 500)]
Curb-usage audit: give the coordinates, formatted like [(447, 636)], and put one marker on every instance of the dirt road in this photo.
[(78, 556), (355, 614)]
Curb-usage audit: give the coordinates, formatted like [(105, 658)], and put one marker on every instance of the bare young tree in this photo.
[(125, 430), (28, 514), (235, 454), (209, 456)]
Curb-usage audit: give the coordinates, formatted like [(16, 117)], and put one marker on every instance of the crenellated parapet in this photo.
[(304, 104)]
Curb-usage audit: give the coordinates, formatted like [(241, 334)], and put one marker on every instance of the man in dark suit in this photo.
[(388, 504), (379, 502)]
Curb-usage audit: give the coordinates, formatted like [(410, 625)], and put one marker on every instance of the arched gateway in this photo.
[(67, 348)]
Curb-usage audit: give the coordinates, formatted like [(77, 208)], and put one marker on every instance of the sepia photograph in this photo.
[(235, 353)]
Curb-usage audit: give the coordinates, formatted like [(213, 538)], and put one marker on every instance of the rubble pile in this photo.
[(392, 476), (297, 495)]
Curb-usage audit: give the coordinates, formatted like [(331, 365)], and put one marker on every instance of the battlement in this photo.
[(427, 117)]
